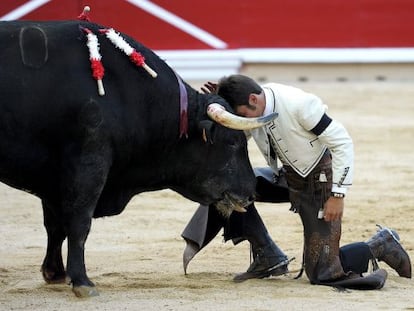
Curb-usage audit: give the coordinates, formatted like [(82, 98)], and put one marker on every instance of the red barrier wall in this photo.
[(249, 24)]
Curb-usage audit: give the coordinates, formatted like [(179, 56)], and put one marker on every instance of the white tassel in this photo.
[(135, 56), (95, 58)]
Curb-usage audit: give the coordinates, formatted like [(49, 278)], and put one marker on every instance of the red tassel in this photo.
[(97, 69), (137, 58)]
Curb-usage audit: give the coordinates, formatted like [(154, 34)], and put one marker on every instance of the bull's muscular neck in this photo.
[(165, 164)]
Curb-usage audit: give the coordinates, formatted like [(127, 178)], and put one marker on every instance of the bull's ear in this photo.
[(207, 130)]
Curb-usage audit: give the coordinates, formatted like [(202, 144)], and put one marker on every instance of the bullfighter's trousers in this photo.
[(321, 238)]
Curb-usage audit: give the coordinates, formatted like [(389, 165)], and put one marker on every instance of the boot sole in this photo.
[(279, 269)]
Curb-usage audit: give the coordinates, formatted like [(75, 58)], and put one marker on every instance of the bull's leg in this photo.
[(85, 165), (52, 268), (82, 182), (78, 231)]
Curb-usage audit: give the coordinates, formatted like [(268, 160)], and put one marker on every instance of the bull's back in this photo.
[(49, 99), (46, 77)]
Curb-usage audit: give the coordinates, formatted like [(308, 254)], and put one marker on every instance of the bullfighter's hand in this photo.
[(209, 88), (333, 209)]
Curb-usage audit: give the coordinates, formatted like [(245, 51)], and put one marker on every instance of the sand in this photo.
[(135, 258)]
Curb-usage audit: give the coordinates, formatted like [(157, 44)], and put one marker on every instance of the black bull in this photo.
[(86, 155)]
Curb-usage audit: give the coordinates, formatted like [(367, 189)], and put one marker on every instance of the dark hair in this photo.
[(235, 89)]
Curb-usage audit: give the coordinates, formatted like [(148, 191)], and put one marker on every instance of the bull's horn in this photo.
[(219, 114)]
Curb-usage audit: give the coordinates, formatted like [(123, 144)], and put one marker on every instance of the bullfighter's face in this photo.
[(256, 107)]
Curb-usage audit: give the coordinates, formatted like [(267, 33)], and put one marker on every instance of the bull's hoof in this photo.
[(52, 277), (85, 291)]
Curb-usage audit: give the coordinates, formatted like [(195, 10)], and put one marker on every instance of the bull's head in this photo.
[(219, 114)]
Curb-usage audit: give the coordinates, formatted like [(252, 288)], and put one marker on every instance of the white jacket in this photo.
[(293, 141)]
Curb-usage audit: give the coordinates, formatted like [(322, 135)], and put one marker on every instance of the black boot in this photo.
[(268, 261), (268, 258), (385, 246)]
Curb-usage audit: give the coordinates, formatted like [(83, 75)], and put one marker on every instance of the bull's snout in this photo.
[(230, 203)]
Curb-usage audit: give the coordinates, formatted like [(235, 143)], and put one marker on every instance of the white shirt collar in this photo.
[(270, 101)]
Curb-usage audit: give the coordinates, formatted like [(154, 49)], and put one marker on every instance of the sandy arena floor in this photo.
[(135, 259)]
